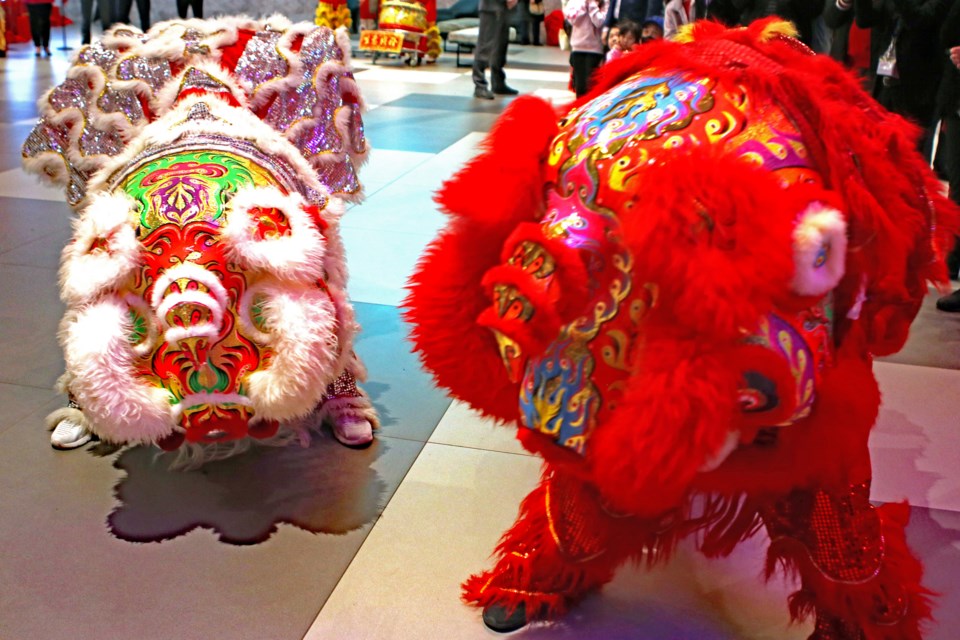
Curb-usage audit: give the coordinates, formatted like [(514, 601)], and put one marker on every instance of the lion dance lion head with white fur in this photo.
[(209, 163)]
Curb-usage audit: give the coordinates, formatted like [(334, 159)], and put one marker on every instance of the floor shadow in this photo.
[(322, 488)]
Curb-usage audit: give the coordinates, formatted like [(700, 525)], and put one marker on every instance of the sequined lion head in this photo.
[(209, 164)]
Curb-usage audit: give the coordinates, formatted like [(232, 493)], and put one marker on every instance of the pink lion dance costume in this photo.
[(210, 163), (683, 282)]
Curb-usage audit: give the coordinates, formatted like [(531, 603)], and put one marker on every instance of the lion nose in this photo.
[(190, 302)]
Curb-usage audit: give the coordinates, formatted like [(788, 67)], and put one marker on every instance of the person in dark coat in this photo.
[(908, 33), (800, 12), (947, 107), (491, 51)]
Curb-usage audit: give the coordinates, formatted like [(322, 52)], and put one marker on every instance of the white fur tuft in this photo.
[(301, 324), (819, 250), (297, 256), (86, 272), (118, 406)]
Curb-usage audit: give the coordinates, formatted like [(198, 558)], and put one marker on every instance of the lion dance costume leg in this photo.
[(210, 163), (676, 291)]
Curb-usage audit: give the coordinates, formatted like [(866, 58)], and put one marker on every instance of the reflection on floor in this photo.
[(329, 543)]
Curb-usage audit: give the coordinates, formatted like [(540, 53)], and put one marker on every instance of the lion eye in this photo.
[(269, 223)]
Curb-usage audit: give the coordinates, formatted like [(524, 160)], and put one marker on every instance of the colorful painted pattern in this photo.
[(183, 200), (190, 187), (601, 149)]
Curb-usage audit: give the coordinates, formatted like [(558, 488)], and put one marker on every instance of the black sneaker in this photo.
[(496, 619), (505, 91), (950, 303), (483, 93)]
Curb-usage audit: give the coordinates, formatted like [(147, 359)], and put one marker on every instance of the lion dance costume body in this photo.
[(683, 282), (210, 163)]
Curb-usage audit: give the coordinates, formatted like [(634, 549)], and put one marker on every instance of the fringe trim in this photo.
[(896, 584)]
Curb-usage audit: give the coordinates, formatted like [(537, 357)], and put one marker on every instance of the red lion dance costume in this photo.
[(210, 163), (683, 281)]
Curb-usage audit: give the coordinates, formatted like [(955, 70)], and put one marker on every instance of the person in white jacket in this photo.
[(586, 41)]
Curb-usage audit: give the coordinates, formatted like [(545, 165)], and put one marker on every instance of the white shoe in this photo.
[(352, 431), (69, 435)]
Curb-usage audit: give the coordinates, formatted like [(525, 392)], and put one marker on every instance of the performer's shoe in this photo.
[(950, 303), (69, 435), (496, 619), (353, 431), (505, 91), (483, 93)]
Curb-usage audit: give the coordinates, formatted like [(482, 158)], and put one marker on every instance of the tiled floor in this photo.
[(327, 543)]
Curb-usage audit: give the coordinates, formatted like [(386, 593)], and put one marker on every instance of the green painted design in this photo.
[(212, 380), (138, 328), (256, 314), (190, 186)]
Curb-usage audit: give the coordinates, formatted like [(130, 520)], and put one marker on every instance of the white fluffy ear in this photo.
[(300, 326), (819, 250), (269, 231), (104, 250)]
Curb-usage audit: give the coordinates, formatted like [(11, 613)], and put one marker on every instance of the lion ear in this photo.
[(819, 250)]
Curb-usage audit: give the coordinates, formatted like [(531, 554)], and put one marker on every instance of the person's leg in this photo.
[(182, 8), (591, 64), (34, 12), (484, 49), (86, 20), (45, 15), (950, 150), (498, 80), (857, 574), (105, 11), (122, 11), (143, 8), (537, 21), (578, 62), (563, 545)]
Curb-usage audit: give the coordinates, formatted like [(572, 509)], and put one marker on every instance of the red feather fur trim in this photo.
[(896, 584)]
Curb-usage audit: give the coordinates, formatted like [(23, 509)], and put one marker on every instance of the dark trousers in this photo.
[(40, 24), (949, 153), (196, 5), (86, 11), (123, 12), (584, 63), (491, 48)]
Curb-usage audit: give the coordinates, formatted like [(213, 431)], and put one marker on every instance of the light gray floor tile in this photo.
[(72, 568), (31, 312), (16, 403), (24, 221), (462, 426)]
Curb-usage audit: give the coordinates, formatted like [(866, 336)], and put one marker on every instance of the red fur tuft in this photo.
[(714, 235)]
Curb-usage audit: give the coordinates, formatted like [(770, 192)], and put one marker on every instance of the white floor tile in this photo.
[(462, 426), (916, 444), (447, 516), (407, 76), (404, 582)]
